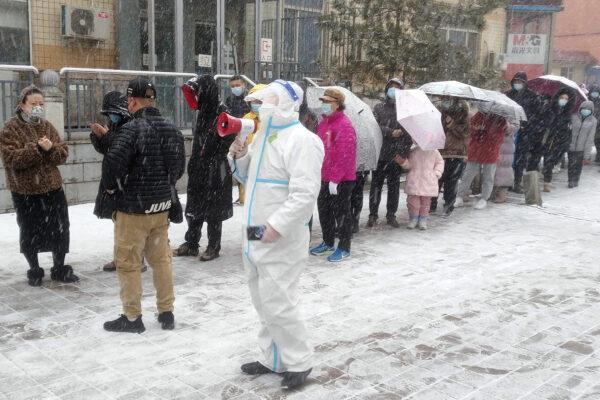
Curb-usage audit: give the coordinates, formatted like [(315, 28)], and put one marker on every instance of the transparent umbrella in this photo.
[(502, 105), (368, 133), (454, 89), (421, 119)]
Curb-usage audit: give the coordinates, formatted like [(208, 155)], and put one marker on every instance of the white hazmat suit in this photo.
[(282, 174)]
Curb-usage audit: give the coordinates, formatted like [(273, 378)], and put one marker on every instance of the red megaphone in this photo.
[(229, 125)]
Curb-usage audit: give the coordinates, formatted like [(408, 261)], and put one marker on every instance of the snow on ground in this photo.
[(495, 304)]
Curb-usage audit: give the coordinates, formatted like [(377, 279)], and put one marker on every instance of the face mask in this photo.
[(562, 102), (326, 109), (391, 93), (595, 95), (38, 112), (237, 91), (586, 113), (266, 111), (518, 86), (255, 107), (114, 118), (446, 104)]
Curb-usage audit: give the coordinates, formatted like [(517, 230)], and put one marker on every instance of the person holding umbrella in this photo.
[(531, 103), (338, 177), (552, 135), (487, 134), (395, 142)]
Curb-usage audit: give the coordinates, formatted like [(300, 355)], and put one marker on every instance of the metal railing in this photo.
[(11, 88), (84, 89)]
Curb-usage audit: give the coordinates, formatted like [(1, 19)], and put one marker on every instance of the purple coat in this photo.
[(339, 140)]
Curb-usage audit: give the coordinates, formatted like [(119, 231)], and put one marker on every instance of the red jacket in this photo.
[(339, 140), (487, 134)]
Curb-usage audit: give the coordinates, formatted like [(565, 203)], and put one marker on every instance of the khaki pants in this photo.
[(137, 234)]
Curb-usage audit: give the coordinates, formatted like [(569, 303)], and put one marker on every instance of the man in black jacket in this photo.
[(395, 142), (146, 159), (531, 103), (235, 103)]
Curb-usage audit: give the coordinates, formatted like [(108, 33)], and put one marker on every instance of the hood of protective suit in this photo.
[(282, 99)]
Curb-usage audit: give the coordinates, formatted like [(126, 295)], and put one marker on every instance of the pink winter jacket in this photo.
[(425, 169), (339, 139)]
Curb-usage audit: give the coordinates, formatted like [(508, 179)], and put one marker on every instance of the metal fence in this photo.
[(13, 78)]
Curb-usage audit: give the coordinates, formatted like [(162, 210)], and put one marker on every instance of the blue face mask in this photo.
[(391, 93), (114, 118), (326, 108), (562, 102), (255, 107), (586, 113), (595, 95), (237, 91), (446, 104), (518, 86)]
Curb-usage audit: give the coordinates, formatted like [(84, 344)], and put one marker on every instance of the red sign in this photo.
[(103, 14)]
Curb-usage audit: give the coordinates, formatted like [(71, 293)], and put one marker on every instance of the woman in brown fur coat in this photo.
[(31, 151)]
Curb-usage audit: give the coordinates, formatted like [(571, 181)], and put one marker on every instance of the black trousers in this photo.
[(553, 155), (356, 199), (453, 170), (575, 166), (214, 230), (597, 144), (390, 171), (335, 211), (520, 162)]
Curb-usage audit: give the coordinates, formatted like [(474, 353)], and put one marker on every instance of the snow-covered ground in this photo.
[(502, 303)]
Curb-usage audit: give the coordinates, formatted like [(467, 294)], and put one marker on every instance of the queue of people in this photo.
[(293, 161)]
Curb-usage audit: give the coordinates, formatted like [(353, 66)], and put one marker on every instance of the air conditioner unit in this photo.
[(85, 23)]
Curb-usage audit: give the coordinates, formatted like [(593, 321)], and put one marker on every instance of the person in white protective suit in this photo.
[(281, 170)]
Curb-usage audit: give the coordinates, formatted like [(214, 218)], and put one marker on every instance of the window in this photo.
[(468, 38), (14, 32), (567, 72)]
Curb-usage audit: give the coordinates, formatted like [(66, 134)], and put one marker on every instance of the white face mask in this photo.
[(38, 112), (266, 111)]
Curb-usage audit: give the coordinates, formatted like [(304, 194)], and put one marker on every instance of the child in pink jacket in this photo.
[(425, 169)]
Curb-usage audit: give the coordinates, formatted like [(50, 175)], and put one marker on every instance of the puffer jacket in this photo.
[(146, 157), (529, 100), (596, 88), (456, 127), (385, 114), (583, 130), (487, 135), (425, 168), (505, 174), (339, 140)]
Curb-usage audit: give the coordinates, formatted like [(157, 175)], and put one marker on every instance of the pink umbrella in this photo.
[(421, 119), (549, 85)]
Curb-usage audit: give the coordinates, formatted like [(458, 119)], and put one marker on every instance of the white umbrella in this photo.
[(421, 119), (502, 105), (454, 89), (368, 132)]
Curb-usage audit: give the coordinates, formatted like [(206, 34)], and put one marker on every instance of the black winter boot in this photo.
[(372, 221), (294, 379), (123, 324), (186, 250), (209, 254), (391, 221), (167, 320), (255, 368), (63, 274), (34, 276), (434, 204)]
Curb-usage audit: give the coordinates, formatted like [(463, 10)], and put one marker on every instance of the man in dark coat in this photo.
[(235, 103), (395, 142), (594, 96), (209, 175), (531, 103), (143, 163)]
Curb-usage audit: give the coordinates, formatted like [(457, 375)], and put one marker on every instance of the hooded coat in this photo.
[(209, 185), (487, 135), (583, 130), (529, 100), (425, 168), (455, 121), (385, 114), (595, 88), (553, 128)]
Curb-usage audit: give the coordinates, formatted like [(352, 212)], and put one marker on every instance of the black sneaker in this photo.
[(34, 276), (255, 368), (123, 324), (391, 221), (294, 379), (63, 274), (448, 210), (372, 221), (167, 320)]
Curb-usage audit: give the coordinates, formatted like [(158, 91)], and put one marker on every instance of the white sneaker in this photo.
[(459, 202), (422, 224), (481, 204), (412, 224)]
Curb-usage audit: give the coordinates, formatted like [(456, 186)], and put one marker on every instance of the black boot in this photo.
[(209, 254), (34, 276), (167, 320), (391, 221), (448, 210), (372, 221), (294, 379), (355, 226), (123, 324), (63, 274), (255, 368), (186, 250), (517, 188), (434, 204)]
